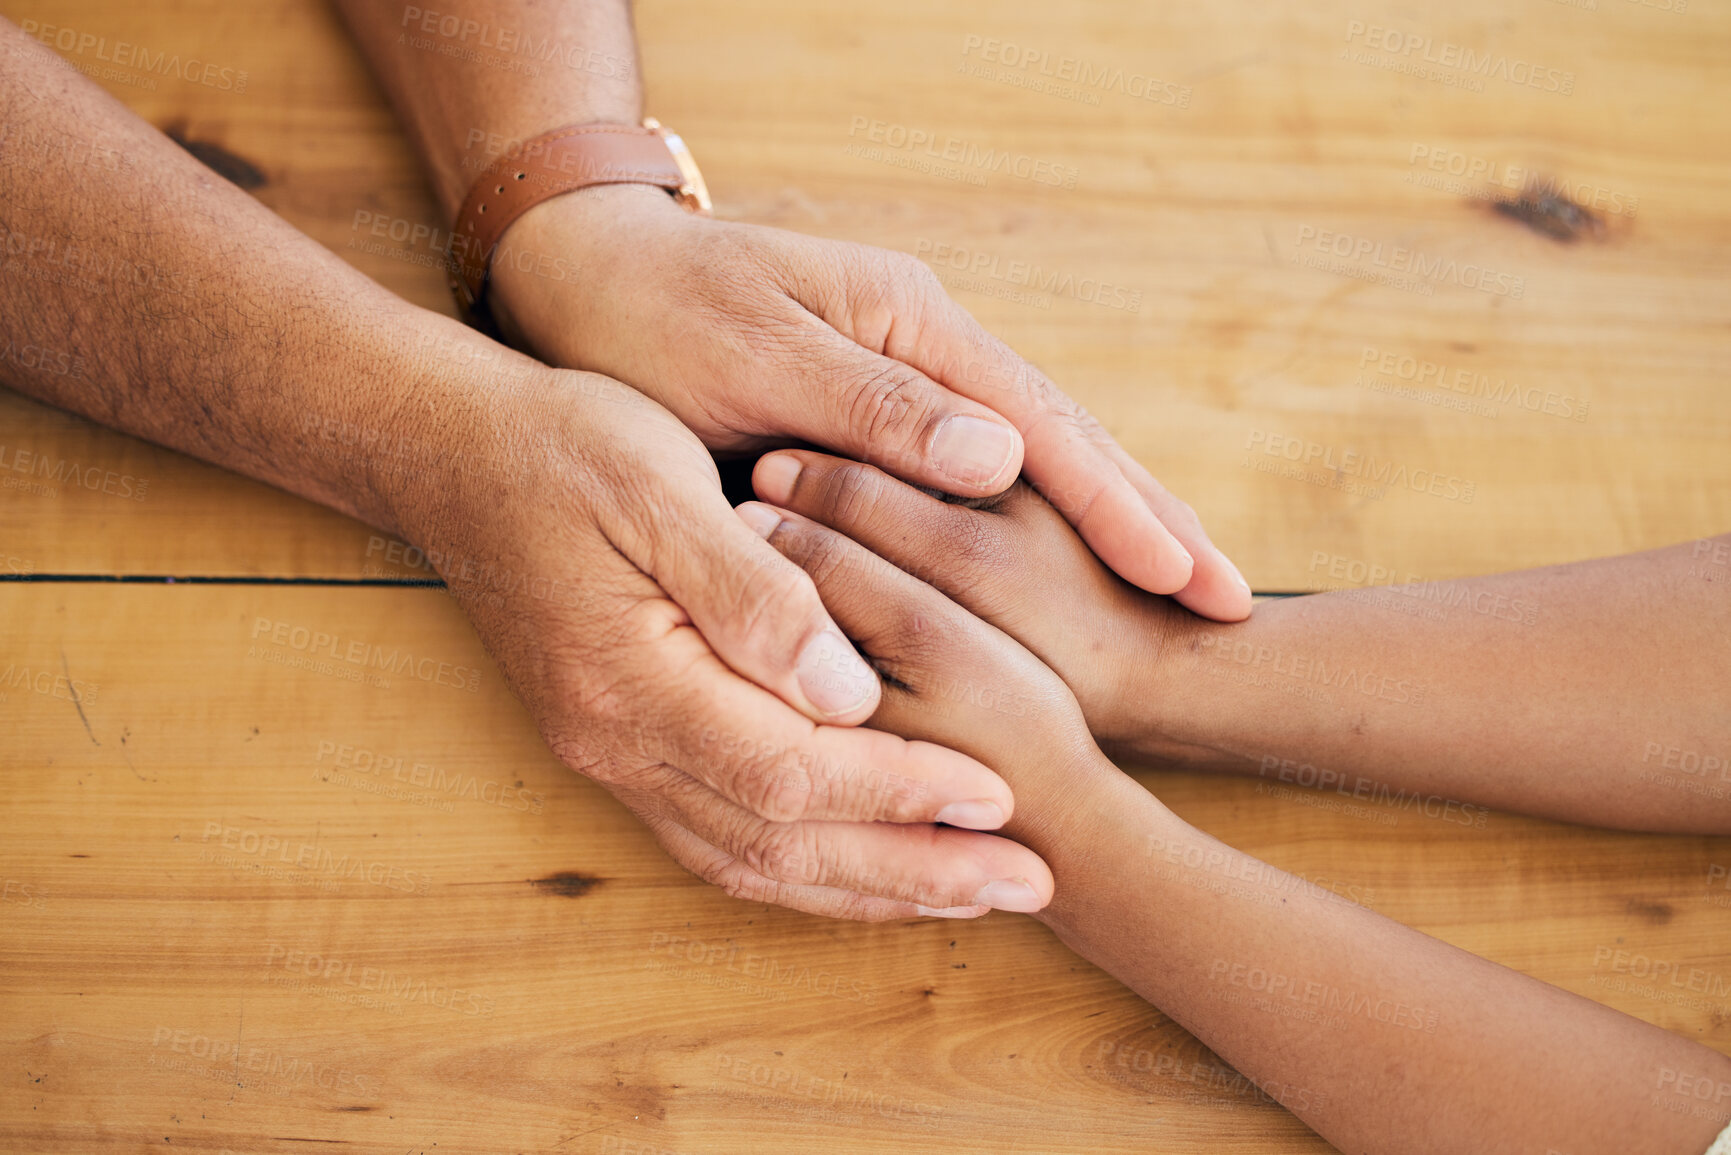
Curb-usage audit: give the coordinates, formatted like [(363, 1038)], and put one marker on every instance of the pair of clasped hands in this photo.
[(705, 672)]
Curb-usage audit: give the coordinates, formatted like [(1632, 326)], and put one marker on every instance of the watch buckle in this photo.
[(693, 194)]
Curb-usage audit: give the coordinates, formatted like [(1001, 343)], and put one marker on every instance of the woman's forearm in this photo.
[(1594, 692), (1383, 1039), (1379, 1037)]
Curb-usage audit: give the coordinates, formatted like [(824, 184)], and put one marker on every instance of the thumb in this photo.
[(876, 409), (854, 389), (760, 613), (1072, 461)]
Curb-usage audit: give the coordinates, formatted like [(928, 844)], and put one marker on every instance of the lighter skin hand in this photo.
[(750, 335), (754, 335), (662, 646)]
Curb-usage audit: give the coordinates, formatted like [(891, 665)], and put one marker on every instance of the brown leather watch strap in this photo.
[(557, 162)]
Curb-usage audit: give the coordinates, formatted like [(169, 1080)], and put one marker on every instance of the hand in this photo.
[(952, 679), (1015, 563), (753, 336), (583, 530)]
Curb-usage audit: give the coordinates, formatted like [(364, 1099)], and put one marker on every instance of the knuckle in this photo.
[(787, 852), (850, 493), (711, 865), (771, 607), (824, 557), (764, 778), (932, 641), (890, 406), (741, 882), (581, 753), (910, 270), (1074, 503), (1181, 512), (780, 794), (1046, 394), (976, 542)]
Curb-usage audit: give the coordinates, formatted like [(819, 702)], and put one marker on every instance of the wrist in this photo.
[(569, 246), (1174, 703), (432, 428), (1069, 802), (1103, 842)]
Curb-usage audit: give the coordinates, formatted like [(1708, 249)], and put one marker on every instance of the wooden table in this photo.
[(248, 906)]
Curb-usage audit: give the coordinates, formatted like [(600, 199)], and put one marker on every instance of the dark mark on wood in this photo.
[(229, 165), (293, 1139), (567, 884), (1541, 208), (77, 698), (1654, 912)]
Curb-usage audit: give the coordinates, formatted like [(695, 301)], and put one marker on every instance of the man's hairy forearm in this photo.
[(199, 319), (470, 86), (1593, 692)]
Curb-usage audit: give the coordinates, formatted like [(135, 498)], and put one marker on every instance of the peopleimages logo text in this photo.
[(1073, 70), (1400, 259), (1381, 472), (1447, 54), (958, 151), (127, 55), (366, 654)]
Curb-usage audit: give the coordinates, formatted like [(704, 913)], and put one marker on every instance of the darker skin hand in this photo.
[(1002, 560)]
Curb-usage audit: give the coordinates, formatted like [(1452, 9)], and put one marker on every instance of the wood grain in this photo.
[(250, 905), (181, 844), (1609, 432)]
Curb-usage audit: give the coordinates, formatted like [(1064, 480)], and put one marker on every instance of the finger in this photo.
[(912, 630), (1067, 455), (759, 753), (760, 615), (722, 869), (1061, 457), (859, 403), (1216, 590), (899, 523), (935, 867), (941, 661), (854, 302), (903, 525)]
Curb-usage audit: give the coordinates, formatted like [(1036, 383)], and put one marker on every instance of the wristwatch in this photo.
[(553, 163)]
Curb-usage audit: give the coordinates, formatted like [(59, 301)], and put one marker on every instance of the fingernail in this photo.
[(833, 676), (975, 814), (774, 477), (1182, 569), (973, 451), (950, 911), (760, 518), (1009, 894)]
